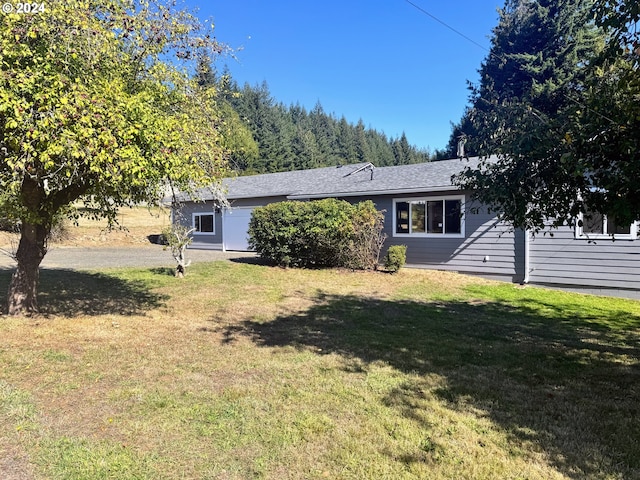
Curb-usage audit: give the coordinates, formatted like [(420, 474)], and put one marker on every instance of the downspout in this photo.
[(527, 254), (223, 213)]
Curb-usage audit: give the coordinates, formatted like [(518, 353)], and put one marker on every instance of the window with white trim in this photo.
[(203, 223), (596, 226), (429, 217)]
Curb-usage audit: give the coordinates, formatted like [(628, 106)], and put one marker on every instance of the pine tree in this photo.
[(532, 85), (346, 141), (537, 58), (291, 138), (380, 148), (363, 150)]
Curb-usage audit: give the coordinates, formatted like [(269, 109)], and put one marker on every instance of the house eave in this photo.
[(248, 195), (361, 193)]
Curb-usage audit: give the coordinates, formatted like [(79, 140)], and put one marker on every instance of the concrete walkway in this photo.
[(82, 258)]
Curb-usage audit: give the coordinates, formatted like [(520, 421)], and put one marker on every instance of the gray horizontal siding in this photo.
[(491, 249), (203, 245), (487, 248), (565, 260), (215, 241), (185, 218)]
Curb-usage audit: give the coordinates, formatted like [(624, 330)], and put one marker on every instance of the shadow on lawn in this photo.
[(73, 293), (564, 382)]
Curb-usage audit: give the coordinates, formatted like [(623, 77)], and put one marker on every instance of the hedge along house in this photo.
[(438, 223)]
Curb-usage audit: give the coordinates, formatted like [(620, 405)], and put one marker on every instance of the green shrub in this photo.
[(395, 258), (319, 233)]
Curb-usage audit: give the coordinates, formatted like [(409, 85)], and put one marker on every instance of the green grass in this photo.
[(245, 371)]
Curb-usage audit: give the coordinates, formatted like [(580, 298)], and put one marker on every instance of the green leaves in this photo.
[(93, 109), (89, 105), (318, 233), (560, 111)]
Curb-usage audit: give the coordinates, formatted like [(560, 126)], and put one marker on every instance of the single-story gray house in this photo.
[(437, 223)]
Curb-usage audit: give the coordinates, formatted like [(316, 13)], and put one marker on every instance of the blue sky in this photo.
[(384, 61)]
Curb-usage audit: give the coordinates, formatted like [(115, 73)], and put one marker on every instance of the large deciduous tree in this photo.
[(606, 137), (559, 104), (97, 105)]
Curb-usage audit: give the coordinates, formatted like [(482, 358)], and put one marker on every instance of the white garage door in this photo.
[(235, 228)]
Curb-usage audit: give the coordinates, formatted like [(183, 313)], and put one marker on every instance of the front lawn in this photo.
[(245, 371)]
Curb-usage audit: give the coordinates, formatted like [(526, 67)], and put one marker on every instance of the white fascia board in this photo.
[(244, 197), (365, 193)]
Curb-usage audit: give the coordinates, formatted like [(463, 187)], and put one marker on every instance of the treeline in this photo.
[(293, 138)]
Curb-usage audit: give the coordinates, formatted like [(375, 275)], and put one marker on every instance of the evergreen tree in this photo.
[(404, 154), (606, 133), (258, 109), (238, 139), (205, 72), (380, 147), (324, 127), (362, 149), (291, 138), (306, 149), (532, 85), (531, 73), (346, 141)]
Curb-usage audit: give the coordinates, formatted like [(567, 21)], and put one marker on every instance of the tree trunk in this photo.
[(23, 289)]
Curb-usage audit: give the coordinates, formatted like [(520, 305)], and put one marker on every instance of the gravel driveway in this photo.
[(79, 258)]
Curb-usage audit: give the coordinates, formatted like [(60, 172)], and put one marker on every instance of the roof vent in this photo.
[(367, 166)]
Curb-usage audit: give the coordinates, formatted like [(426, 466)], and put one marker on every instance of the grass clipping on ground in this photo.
[(246, 371)]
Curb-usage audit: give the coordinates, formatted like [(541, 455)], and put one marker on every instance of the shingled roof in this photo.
[(349, 180)]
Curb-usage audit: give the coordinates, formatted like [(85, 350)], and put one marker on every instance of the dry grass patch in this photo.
[(137, 224), (245, 371)]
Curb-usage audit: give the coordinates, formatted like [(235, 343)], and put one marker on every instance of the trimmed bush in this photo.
[(319, 233), (395, 258)]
